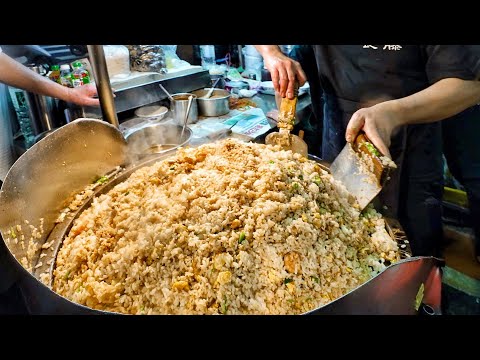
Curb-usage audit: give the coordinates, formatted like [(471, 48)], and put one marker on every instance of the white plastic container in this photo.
[(207, 54), (251, 51), (253, 62), (118, 61), (253, 59)]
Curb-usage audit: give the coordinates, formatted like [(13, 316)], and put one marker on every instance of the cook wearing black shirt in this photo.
[(399, 90)]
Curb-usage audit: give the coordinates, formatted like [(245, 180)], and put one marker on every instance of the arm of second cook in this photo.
[(439, 101), (17, 75)]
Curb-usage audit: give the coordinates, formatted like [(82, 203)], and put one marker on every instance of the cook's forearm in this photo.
[(439, 101), (266, 50), (15, 74)]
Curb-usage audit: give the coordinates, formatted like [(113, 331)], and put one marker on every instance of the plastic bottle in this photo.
[(207, 53), (54, 73), (253, 63), (65, 75), (80, 75)]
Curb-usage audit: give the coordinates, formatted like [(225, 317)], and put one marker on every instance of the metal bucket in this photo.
[(178, 106)]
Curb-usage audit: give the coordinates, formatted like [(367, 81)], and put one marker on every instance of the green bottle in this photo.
[(80, 75), (54, 73)]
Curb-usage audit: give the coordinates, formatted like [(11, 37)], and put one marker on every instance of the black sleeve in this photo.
[(475, 54), (457, 61)]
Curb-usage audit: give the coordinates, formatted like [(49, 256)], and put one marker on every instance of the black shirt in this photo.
[(369, 74)]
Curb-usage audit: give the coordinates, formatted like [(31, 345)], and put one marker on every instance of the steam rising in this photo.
[(150, 139)]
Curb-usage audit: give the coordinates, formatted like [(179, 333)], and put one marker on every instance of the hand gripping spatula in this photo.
[(286, 121), (360, 169)]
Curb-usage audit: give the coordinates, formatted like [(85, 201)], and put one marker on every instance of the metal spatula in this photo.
[(286, 121), (362, 181)]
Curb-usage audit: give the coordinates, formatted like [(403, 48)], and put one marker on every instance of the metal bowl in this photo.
[(157, 139), (151, 112), (216, 105)]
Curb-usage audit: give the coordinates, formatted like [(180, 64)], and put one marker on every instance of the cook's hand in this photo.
[(284, 72), (83, 95), (378, 122)]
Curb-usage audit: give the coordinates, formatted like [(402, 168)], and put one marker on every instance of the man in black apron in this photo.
[(311, 125), (354, 78), (461, 147)]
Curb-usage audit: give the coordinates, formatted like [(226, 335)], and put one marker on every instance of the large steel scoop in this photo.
[(286, 121)]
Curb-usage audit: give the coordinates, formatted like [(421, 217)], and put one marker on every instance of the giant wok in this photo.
[(52, 174)]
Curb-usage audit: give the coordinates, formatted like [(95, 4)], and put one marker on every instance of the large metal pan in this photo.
[(46, 178)]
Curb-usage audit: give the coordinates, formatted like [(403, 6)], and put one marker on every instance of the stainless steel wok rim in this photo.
[(398, 263), (122, 176)]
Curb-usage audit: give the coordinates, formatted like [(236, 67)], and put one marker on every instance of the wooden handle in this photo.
[(360, 144), (288, 109)]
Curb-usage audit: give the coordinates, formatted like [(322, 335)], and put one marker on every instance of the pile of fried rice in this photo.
[(225, 228)]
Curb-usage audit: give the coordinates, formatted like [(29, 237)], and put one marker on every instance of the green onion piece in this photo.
[(300, 177), (224, 305), (102, 180), (241, 238), (372, 149), (316, 279), (287, 280)]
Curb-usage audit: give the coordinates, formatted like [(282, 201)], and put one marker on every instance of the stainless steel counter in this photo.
[(143, 90)]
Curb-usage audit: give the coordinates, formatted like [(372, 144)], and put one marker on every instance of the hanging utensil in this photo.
[(166, 92), (187, 112)]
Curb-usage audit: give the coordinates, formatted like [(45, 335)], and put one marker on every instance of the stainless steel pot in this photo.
[(46, 179), (178, 106), (215, 105)]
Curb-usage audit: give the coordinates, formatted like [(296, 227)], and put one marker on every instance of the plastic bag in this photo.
[(145, 58), (172, 60), (117, 59)]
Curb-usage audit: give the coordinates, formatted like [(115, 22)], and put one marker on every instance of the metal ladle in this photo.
[(189, 105), (210, 92), (166, 92)]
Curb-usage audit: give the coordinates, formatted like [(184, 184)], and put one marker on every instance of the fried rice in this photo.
[(225, 228)]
